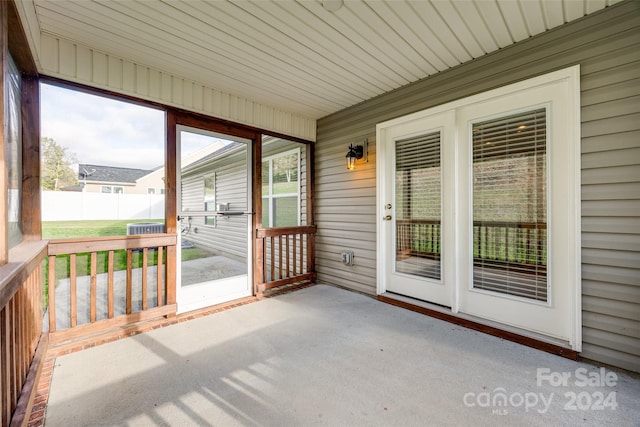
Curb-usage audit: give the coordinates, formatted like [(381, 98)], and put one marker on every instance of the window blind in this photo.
[(509, 205), (418, 205)]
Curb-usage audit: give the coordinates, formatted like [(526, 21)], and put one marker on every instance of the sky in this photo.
[(106, 132)]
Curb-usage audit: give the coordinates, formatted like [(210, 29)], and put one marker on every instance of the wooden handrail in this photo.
[(492, 224), (110, 243), (283, 231)]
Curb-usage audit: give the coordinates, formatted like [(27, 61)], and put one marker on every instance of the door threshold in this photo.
[(508, 333)]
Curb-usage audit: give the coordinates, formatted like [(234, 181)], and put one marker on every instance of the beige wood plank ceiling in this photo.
[(309, 57)]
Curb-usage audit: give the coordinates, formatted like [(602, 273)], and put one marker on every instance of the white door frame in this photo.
[(562, 91), (204, 294), (438, 291)]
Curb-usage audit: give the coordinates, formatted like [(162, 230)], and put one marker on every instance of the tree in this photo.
[(56, 165)]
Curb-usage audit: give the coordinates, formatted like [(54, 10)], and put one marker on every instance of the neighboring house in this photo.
[(217, 182), (111, 179)]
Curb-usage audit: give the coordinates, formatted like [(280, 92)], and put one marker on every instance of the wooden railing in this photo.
[(108, 282), (502, 243), (284, 255), (510, 244), (20, 330), (418, 237)]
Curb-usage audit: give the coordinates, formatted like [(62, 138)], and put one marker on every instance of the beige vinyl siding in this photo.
[(345, 214), (71, 61), (607, 47)]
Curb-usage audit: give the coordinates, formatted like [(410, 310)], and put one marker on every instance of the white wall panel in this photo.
[(77, 63)]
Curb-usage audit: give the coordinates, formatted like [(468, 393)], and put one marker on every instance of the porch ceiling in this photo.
[(298, 56)]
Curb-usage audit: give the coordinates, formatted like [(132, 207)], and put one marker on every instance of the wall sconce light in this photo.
[(356, 153)]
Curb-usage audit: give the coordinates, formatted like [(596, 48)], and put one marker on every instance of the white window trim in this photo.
[(212, 200), (271, 196), (571, 112)]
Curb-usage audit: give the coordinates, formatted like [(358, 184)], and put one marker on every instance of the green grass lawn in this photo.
[(69, 229)]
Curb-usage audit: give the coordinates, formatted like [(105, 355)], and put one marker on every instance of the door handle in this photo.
[(386, 218)]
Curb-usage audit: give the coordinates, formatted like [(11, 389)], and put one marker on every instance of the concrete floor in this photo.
[(326, 356)]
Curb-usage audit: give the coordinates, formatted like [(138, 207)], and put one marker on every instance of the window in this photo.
[(281, 189), (151, 191), (210, 198), (418, 205), (509, 205), (111, 189)]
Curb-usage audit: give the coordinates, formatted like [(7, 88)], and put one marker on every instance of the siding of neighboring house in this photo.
[(607, 47), (229, 236)]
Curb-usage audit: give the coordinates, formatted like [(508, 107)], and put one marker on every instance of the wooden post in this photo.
[(4, 176), (256, 220), (311, 220), (171, 203), (30, 199)]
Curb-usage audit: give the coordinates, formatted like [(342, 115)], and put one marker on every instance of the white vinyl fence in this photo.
[(70, 206)]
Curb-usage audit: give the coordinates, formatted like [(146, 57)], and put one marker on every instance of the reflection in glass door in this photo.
[(214, 204)]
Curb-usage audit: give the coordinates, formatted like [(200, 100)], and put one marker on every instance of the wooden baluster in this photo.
[(273, 258), (129, 280), (51, 289), (20, 336), (5, 402), (159, 265), (73, 320), (287, 252), (145, 265), (280, 276), (110, 302), (302, 269), (295, 260), (93, 294)]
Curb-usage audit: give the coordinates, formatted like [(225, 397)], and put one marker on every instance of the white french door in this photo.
[(214, 204), (417, 198), (478, 204)]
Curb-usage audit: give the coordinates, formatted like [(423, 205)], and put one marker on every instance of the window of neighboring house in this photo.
[(13, 151), (151, 191), (162, 191), (210, 198), (112, 189), (281, 189)]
